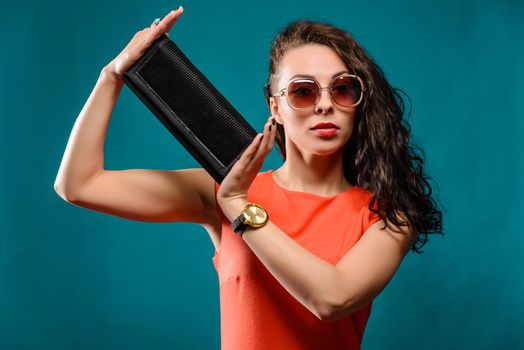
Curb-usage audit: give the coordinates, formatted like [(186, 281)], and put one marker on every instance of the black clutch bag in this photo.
[(190, 107)]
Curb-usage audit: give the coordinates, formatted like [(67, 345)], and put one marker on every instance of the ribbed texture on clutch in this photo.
[(191, 108)]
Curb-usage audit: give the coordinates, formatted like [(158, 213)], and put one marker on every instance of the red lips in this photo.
[(325, 126)]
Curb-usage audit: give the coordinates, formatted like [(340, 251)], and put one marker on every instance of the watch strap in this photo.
[(238, 224)]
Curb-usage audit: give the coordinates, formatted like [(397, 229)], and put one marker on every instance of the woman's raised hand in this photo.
[(140, 42)]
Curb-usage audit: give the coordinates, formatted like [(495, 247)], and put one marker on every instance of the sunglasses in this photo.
[(345, 90)]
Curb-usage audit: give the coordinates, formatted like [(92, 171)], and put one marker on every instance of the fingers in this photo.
[(268, 140), (162, 26), (259, 148), (179, 12), (168, 21), (251, 149), (261, 145), (155, 23), (143, 39)]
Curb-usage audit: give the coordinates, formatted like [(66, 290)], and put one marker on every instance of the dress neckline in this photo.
[(309, 194)]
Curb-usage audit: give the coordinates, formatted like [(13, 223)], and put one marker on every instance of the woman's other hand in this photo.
[(235, 185)]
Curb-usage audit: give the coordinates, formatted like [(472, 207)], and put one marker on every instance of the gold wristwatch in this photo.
[(253, 215)]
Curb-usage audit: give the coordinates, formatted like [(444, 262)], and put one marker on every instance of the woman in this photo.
[(336, 219)]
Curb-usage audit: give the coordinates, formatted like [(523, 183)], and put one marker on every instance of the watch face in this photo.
[(255, 214)]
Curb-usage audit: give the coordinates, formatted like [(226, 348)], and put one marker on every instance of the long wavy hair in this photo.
[(378, 157)]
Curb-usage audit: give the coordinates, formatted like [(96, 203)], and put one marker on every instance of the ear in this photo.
[(274, 110)]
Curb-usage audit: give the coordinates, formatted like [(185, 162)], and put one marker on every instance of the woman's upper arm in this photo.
[(151, 195)]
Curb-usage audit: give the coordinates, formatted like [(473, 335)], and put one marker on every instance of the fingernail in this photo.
[(270, 128), (273, 120)]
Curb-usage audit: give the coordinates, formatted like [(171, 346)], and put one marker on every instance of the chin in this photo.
[(328, 146), (326, 150)]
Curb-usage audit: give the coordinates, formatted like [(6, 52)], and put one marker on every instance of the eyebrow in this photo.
[(312, 77)]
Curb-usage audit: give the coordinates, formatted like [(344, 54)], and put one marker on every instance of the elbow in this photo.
[(329, 314), (335, 312), (330, 309), (59, 190), (336, 308), (62, 191), (325, 316), (330, 302)]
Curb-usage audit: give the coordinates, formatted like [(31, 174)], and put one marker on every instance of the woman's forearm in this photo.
[(83, 158)]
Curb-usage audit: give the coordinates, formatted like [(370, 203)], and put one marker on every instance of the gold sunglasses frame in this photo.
[(285, 90)]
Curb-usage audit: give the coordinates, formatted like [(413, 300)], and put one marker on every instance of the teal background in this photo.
[(71, 278)]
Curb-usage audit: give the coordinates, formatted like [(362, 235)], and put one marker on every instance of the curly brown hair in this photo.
[(378, 157)]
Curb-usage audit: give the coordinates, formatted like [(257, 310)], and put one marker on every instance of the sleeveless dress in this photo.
[(256, 312)]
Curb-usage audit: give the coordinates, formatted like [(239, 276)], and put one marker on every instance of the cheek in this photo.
[(350, 120), (294, 119), (351, 123), (296, 129)]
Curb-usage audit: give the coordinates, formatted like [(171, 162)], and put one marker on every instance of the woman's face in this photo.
[(322, 63)]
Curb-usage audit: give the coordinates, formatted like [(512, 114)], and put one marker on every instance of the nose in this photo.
[(324, 104)]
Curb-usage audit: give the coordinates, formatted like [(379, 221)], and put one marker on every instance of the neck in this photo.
[(313, 173)]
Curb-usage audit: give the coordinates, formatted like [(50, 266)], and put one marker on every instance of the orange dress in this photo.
[(256, 312)]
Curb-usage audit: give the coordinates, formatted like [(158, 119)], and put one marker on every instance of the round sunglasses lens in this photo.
[(346, 91), (302, 93)]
